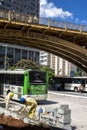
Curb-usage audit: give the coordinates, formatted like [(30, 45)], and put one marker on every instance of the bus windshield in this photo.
[(37, 77)]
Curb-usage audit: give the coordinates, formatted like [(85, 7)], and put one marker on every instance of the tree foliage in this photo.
[(79, 72), (27, 64), (48, 69)]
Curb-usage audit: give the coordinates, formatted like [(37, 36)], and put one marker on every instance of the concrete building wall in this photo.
[(44, 58)]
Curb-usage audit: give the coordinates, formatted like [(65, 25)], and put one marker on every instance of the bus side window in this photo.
[(13, 79), (85, 81), (20, 79), (7, 78), (72, 81), (1, 78)]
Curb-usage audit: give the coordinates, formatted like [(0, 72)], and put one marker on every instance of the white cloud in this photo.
[(50, 10), (83, 21), (80, 21), (76, 20)]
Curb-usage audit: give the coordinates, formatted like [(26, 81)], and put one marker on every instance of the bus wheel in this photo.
[(75, 89)]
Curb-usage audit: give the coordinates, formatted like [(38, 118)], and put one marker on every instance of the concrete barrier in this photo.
[(58, 117)]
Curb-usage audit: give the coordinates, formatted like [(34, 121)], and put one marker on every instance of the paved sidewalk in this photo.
[(77, 104), (69, 94)]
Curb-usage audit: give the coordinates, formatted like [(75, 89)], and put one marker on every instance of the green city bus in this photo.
[(32, 83)]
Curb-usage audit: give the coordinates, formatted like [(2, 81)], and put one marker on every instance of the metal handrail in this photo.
[(14, 16)]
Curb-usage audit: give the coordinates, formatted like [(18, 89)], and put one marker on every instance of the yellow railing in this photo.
[(14, 16)]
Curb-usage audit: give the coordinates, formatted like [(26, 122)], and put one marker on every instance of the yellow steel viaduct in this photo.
[(66, 40)]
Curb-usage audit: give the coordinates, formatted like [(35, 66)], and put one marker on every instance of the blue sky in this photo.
[(74, 11)]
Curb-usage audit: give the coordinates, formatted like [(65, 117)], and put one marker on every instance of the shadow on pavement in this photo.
[(74, 127), (46, 102), (2, 105)]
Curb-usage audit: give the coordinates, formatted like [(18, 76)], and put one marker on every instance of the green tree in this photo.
[(26, 64), (48, 69), (29, 64), (79, 72)]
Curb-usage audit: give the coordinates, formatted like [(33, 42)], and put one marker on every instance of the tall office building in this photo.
[(30, 7), (14, 53)]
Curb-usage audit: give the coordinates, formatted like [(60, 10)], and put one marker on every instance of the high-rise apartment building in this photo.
[(60, 66), (30, 7)]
